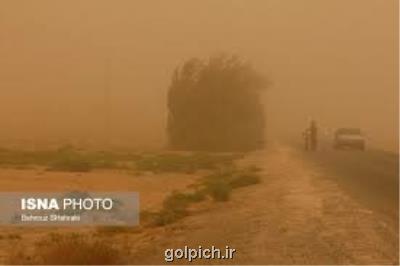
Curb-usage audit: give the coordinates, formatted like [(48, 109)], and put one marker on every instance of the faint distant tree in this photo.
[(214, 105)]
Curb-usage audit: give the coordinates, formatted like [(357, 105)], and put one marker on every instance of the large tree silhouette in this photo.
[(214, 105)]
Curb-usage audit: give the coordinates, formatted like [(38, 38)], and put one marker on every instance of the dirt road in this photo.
[(299, 214)]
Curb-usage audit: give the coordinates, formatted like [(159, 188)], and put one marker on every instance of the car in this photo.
[(350, 138)]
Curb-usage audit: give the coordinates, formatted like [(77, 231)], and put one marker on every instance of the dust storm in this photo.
[(264, 127), (96, 73)]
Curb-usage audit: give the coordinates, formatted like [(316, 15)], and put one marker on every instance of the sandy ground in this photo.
[(152, 187), (295, 216), (152, 190)]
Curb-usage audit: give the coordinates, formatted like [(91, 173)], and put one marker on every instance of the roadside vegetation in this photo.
[(220, 178), (64, 159), (96, 249), (217, 186), (70, 159)]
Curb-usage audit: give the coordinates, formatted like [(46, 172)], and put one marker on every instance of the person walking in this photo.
[(313, 135), (306, 137)]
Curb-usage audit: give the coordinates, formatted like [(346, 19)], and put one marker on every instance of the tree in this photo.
[(215, 105)]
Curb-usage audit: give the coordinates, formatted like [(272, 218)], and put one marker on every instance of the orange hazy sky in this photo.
[(333, 60)]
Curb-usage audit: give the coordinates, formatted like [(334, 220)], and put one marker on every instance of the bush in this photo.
[(220, 184), (197, 196), (174, 207), (176, 201), (219, 190), (166, 216)]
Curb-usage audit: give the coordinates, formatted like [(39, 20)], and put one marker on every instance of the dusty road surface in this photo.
[(303, 212), (371, 176)]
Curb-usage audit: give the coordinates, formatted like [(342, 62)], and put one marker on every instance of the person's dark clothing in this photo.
[(313, 136)]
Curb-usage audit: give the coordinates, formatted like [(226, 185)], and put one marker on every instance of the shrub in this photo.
[(174, 207), (220, 184), (166, 216), (176, 201), (197, 196), (244, 179), (219, 190)]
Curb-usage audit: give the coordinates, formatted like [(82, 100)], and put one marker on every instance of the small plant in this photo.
[(220, 184), (174, 208), (165, 217), (244, 179), (219, 190), (196, 196)]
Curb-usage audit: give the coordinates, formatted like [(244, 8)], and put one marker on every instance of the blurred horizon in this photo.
[(96, 73)]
